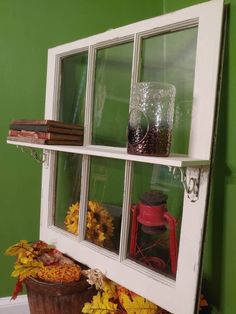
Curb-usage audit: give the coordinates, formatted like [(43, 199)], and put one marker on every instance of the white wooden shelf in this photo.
[(119, 153)]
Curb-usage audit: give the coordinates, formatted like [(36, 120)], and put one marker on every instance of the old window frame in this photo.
[(176, 296)]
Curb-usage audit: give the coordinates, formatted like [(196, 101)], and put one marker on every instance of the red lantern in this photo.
[(151, 213)]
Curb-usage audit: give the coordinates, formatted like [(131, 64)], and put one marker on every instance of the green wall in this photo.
[(27, 29)]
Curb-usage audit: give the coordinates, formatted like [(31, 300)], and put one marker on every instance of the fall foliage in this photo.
[(40, 260), (114, 298)]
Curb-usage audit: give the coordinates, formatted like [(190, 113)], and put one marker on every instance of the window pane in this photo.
[(111, 95), (156, 211), (171, 58), (73, 87), (67, 191), (105, 200)]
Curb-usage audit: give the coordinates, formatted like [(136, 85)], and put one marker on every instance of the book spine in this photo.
[(26, 139), (43, 141), (64, 142), (28, 127), (45, 128), (44, 135), (32, 134), (54, 123)]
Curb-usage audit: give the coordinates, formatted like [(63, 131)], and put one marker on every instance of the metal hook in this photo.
[(190, 184), (40, 158)]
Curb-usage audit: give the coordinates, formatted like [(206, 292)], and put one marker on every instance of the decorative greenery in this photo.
[(99, 225)]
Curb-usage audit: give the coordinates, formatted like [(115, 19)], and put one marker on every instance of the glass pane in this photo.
[(111, 95), (156, 211), (67, 191), (171, 58), (73, 87), (105, 201)]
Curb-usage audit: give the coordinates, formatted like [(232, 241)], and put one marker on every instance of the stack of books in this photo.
[(49, 132)]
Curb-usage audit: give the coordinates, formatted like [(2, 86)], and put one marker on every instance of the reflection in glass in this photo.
[(156, 211), (170, 58), (73, 87), (111, 95), (105, 199), (67, 190)]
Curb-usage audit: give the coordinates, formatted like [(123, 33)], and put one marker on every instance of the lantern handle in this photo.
[(172, 241), (134, 230)]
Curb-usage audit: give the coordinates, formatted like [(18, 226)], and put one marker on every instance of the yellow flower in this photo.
[(72, 217), (99, 225)]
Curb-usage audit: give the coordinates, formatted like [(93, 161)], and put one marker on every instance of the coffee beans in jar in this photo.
[(156, 142), (151, 119)]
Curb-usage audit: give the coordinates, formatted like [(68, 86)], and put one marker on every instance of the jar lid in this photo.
[(153, 198)]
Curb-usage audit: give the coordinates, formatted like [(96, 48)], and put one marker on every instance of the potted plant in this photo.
[(55, 283)]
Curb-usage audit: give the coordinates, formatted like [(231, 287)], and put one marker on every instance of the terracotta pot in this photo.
[(58, 298)]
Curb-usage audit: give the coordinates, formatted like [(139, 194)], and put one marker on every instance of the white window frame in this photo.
[(177, 296)]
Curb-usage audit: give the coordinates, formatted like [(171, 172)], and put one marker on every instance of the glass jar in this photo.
[(151, 119)]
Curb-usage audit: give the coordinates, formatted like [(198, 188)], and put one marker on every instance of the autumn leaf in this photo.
[(100, 304), (117, 299), (135, 304), (19, 248), (109, 289), (18, 288), (23, 271)]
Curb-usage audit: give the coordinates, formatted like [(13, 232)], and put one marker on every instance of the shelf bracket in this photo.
[(39, 157), (190, 179)]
